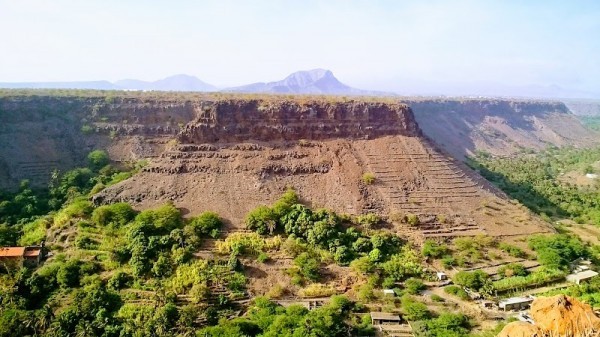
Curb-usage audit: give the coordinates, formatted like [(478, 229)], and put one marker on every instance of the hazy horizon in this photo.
[(410, 47)]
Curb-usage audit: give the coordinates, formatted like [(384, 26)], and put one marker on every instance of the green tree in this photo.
[(309, 266), (98, 159), (262, 220)]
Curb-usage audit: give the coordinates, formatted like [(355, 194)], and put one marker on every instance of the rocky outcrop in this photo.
[(263, 120), (560, 316)]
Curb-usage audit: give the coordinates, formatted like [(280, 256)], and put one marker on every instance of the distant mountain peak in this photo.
[(311, 75), (314, 81)]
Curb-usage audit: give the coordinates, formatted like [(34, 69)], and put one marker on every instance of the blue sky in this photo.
[(382, 45)]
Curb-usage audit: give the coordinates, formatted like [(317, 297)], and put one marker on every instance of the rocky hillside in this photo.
[(499, 127), (231, 153)]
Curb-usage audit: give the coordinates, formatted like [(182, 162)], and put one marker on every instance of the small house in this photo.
[(30, 255), (582, 276), (380, 318), (515, 303), (441, 276)]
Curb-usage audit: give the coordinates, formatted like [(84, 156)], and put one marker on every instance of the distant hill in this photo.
[(316, 81), (171, 83), (97, 85)]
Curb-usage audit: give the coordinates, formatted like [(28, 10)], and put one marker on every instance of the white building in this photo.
[(581, 276), (515, 303)]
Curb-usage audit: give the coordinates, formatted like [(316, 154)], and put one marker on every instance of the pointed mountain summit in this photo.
[(315, 81)]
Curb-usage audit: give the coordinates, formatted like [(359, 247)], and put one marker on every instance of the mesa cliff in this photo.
[(231, 153)]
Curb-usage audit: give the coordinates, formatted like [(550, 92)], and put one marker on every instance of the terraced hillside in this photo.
[(231, 153), (236, 155)]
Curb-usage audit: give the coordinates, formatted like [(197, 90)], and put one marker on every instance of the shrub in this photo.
[(414, 286), (33, 232), (413, 310), (472, 280), (365, 293), (119, 280), (362, 265), (557, 251), (68, 274), (262, 220), (512, 269), (262, 257), (97, 159), (86, 129), (448, 324), (207, 223), (368, 220), (85, 242), (513, 251), (162, 219), (412, 219), (448, 261), (368, 178), (457, 291), (118, 214), (309, 266), (316, 290), (434, 249), (437, 298)]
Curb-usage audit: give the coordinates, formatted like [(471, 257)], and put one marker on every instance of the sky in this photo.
[(390, 45)]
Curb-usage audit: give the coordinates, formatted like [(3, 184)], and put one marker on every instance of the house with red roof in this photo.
[(29, 255)]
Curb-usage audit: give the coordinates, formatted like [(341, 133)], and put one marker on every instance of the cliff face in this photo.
[(500, 127), (243, 120), (229, 154), (43, 133)]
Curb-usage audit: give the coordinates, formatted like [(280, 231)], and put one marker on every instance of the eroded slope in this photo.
[(500, 127), (237, 154)]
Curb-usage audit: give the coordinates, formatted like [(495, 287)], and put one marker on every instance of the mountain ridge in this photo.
[(313, 81)]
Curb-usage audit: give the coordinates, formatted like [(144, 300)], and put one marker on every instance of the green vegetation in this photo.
[(457, 291), (535, 181), (513, 251), (324, 230), (414, 286), (434, 250), (368, 178), (589, 292), (265, 318), (512, 269), (413, 310), (592, 122), (558, 251), (538, 278), (475, 280)]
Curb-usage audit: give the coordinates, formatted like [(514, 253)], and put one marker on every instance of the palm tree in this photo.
[(44, 317)]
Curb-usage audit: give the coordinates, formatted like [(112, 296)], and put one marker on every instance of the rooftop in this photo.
[(583, 275), (32, 251), (514, 300), (385, 316), (12, 251)]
